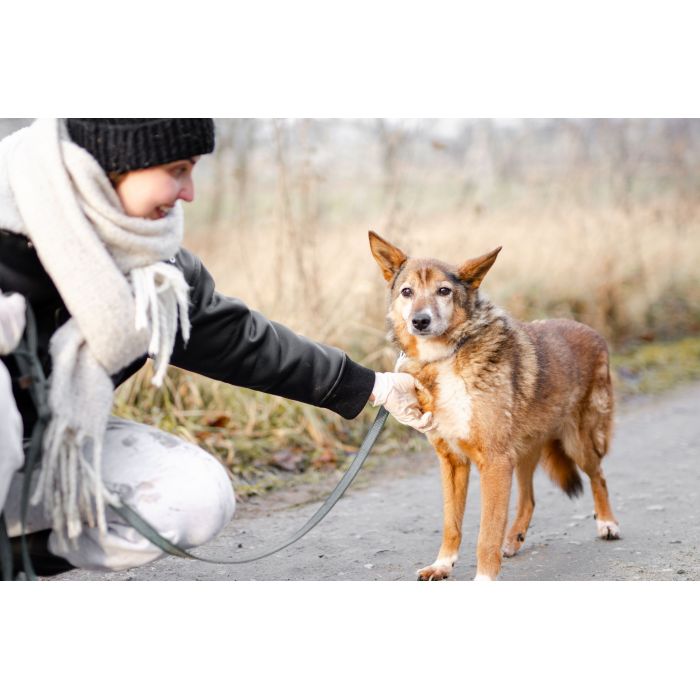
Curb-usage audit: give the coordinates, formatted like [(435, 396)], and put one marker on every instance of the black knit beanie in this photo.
[(121, 145)]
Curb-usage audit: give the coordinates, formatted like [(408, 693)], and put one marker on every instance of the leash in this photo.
[(32, 378), (26, 355), (150, 533)]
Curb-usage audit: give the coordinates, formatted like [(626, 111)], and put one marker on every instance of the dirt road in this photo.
[(389, 523)]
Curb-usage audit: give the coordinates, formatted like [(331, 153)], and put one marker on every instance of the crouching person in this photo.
[(91, 229)]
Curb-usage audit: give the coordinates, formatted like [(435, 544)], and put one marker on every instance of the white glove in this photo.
[(396, 391), (13, 310)]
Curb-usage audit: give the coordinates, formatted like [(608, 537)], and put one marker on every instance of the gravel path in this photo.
[(389, 523)]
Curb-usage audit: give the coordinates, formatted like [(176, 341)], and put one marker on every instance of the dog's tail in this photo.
[(561, 469)]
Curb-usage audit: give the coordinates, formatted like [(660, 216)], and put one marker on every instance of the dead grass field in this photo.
[(630, 275)]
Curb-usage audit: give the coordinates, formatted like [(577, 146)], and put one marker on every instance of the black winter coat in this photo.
[(228, 341)]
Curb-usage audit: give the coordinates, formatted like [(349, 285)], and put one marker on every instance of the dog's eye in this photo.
[(406, 292), (444, 291)]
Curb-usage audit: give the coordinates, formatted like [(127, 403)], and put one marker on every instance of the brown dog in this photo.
[(504, 394)]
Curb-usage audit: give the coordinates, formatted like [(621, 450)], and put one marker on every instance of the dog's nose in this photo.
[(421, 321)]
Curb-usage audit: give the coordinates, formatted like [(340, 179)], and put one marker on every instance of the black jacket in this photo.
[(228, 341)]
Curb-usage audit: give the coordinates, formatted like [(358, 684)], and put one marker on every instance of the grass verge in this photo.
[(656, 367)]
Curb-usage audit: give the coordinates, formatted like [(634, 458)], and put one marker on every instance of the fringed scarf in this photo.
[(124, 302)]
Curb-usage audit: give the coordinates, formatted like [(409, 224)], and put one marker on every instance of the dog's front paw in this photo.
[(512, 544), (438, 570), (509, 549), (608, 529)]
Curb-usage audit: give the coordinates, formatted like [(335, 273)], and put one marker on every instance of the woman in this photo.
[(90, 234)]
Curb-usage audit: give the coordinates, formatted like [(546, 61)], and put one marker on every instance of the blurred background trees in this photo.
[(599, 218)]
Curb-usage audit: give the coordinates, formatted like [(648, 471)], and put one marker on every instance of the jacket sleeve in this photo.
[(234, 344)]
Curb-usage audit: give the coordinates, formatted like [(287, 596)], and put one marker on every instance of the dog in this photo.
[(504, 395)]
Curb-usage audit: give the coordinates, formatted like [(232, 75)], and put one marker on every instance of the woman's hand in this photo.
[(396, 391), (13, 310)]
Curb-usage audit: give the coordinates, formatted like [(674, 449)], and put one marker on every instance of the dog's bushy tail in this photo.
[(562, 469)]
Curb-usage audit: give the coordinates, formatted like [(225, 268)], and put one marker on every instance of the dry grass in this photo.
[(627, 274)]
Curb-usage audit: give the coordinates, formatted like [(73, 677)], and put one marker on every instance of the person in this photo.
[(91, 228)]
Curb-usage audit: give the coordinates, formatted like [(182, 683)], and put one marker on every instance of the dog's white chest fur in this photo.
[(453, 405)]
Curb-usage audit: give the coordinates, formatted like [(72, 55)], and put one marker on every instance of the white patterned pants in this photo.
[(177, 487)]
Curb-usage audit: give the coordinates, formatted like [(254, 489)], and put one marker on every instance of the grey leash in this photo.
[(28, 360), (32, 377), (150, 533)]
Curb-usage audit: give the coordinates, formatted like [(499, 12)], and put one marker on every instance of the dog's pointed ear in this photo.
[(473, 271), (389, 257)]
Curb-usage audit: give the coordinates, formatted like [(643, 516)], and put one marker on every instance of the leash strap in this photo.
[(150, 533), (27, 357), (5, 551)]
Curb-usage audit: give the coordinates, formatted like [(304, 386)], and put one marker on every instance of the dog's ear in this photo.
[(473, 271), (389, 257)]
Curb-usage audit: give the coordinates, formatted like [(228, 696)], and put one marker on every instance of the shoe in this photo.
[(43, 561)]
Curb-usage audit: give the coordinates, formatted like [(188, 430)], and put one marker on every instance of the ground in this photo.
[(389, 523)]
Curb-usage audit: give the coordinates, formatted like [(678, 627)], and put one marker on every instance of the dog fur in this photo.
[(504, 394)]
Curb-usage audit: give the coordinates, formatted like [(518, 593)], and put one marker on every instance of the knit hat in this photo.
[(121, 145)]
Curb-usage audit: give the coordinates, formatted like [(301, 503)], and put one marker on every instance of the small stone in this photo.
[(369, 566), (655, 507), (681, 571)]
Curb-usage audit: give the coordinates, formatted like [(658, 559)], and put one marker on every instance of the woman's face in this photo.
[(150, 193)]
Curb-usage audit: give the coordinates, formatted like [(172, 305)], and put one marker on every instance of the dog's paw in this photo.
[(512, 545), (608, 529), (438, 570), (510, 549), (434, 573)]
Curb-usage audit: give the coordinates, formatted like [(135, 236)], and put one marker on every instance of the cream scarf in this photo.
[(124, 302)]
